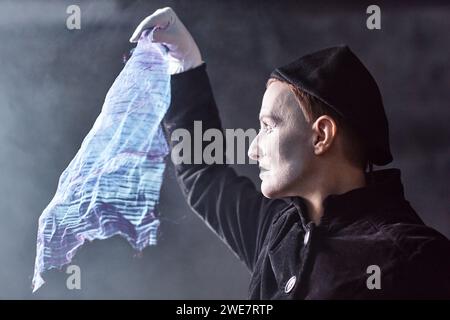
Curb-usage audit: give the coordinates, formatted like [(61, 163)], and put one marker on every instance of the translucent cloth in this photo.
[(112, 185)]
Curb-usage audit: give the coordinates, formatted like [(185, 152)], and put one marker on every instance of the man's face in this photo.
[(283, 146)]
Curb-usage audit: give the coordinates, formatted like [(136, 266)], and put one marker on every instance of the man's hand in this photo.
[(170, 31)]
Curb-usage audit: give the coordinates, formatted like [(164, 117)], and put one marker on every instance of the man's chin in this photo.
[(270, 192)]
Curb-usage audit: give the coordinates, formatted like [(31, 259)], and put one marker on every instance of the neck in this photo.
[(327, 182)]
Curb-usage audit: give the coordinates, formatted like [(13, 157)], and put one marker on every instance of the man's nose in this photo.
[(253, 150)]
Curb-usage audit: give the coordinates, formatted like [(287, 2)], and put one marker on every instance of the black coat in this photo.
[(292, 258)]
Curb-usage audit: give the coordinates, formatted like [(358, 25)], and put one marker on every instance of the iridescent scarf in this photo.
[(112, 185)]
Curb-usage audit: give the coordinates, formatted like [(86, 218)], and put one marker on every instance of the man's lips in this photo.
[(262, 171)]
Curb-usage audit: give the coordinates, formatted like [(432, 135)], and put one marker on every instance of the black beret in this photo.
[(339, 79)]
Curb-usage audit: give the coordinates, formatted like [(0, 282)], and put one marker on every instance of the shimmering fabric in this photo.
[(112, 185)]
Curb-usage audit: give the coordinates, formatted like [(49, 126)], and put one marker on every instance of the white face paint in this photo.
[(284, 145)]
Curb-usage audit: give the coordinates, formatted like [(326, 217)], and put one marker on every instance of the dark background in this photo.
[(53, 82)]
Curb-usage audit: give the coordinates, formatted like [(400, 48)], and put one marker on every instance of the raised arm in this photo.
[(229, 204)]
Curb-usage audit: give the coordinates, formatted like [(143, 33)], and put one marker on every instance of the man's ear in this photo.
[(324, 133)]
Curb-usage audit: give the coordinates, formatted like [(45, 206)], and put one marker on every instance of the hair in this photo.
[(313, 108)]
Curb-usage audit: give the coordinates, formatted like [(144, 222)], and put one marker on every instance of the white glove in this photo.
[(171, 32)]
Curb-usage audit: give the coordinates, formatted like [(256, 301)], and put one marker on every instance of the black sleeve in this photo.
[(229, 204)]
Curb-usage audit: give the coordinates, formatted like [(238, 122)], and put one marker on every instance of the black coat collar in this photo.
[(383, 189)]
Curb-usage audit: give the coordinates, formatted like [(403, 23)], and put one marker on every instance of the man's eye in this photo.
[(265, 128)]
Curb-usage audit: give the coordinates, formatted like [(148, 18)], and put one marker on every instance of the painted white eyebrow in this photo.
[(269, 116)]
